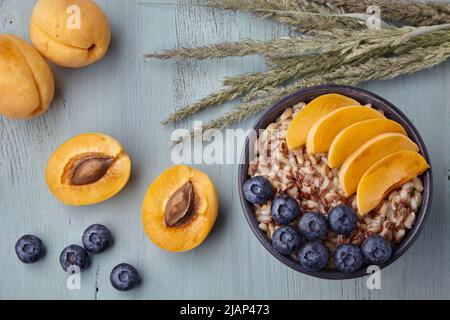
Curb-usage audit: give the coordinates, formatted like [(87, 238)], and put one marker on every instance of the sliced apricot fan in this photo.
[(386, 175), (325, 129), (368, 154), (299, 127), (88, 169), (354, 136), (180, 209)]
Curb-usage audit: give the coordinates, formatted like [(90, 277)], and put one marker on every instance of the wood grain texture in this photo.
[(127, 97)]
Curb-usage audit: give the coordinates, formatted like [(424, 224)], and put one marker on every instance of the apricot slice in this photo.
[(386, 175), (299, 126), (325, 129), (354, 136), (88, 169), (180, 209), (368, 154)]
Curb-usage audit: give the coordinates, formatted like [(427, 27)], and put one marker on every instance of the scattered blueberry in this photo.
[(348, 258), (342, 219), (258, 190), (313, 256), (286, 240), (29, 249), (376, 250), (285, 209), (124, 277), (313, 226), (97, 238), (74, 257)]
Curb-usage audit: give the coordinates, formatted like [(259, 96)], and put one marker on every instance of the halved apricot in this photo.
[(368, 154), (325, 129), (386, 175), (180, 209), (299, 127), (88, 169), (354, 136)]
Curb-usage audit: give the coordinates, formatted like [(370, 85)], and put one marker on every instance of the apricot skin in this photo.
[(114, 180), (70, 47), (26, 82), (188, 236)]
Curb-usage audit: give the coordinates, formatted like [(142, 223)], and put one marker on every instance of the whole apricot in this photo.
[(88, 169), (26, 81), (70, 33)]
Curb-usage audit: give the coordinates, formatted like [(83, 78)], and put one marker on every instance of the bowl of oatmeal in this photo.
[(328, 217)]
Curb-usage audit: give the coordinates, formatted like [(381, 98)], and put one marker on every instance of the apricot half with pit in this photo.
[(70, 33), (26, 81), (88, 169), (180, 209)]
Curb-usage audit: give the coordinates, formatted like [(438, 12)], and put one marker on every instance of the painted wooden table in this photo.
[(126, 97)]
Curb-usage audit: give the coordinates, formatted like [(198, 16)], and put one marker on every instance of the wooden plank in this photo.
[(127, 97)]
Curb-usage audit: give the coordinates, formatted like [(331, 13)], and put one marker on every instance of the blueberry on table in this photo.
[(74, 258), (258, 190), (286, 240), (376, 250), (285, 209), (97, 238), (342, 219), (124, 277), (313, 226), (29, 249), (313, 256), (348, 258)]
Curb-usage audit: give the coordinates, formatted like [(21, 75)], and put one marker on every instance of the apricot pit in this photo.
[(88, 169)]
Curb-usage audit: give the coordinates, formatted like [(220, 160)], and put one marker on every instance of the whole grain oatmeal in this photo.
[(308, 179)]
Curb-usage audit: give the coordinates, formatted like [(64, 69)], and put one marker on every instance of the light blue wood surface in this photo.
[(126, 97)]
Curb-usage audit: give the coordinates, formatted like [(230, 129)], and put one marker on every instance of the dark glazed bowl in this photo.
[(364, 97)]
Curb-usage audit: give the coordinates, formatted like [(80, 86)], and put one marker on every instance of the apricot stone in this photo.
[(88, 169), (26, 81), (70, 33), (180, 209)]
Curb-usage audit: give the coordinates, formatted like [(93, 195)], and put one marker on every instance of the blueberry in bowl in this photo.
[(286, 240), (332, 147), (313, 226), (313, 256), (348, 258), (29, 249), (376, 250), (258, 190), (342, 219), (285, 209)]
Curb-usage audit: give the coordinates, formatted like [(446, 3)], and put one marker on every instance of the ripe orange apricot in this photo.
[(180, 209), (88, 169)]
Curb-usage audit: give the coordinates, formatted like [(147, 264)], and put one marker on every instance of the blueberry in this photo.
[(97, 238), (342, 219), (285, 209), (286, 240), (258, 190), (313, 226), (124, 277), (74, 258), (313, 256), (29, 249), (376, 250), (348, 258)]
